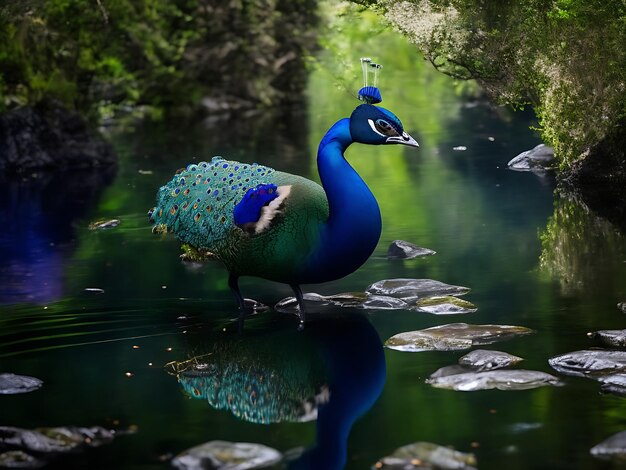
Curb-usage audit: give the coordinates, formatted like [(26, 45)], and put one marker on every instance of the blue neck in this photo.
[(353, 228)]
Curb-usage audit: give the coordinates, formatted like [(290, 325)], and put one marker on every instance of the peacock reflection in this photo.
[(332, 372)]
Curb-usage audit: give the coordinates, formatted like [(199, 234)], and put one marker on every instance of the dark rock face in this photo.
[(599, 179), (49, 136)]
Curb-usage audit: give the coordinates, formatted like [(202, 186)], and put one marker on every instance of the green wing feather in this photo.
[(197, 205)]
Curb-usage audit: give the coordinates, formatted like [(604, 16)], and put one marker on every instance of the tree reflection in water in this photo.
[(585, 252)]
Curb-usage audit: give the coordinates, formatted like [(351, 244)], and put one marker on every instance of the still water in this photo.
[(530, 258)]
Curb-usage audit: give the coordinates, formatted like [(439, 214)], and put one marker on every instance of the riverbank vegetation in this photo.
[(103, 57), (565, 58)]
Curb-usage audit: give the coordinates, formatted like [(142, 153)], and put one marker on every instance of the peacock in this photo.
[(262, 222)]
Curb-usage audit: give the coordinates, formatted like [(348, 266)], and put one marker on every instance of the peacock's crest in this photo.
[(370, 93)]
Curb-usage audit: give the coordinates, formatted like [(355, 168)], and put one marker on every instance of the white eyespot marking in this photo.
[(373, 126)]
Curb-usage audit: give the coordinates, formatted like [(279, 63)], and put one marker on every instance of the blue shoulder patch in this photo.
[(248, 210)]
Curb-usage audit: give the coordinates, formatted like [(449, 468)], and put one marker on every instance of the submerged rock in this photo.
[(400, 249), (615, 384), (317, 301), (53, 441), (426, 455), (539, 158), (414, 288), (104, 224), (19, 459), (592, 363), (616, 338), (383, 302), (490, 379), (419, 295), (223, 455), (612, 448), (34, 441), (444, 305), (11, 384), (454, 336), (483, 359), (446, 371), (94, 436)]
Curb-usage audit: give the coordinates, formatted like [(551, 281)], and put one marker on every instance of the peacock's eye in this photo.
[(384, 128)]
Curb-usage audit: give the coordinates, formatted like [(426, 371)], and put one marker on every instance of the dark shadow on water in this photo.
[(333, 371), (37, 216)]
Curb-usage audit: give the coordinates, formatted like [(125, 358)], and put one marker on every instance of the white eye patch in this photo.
[(373, 126)]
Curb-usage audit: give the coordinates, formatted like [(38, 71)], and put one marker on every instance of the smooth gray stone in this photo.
[(426, 455), (290, 304), (446, 371), (50, 441), (454, 336), (11, 384), (58, 440), (616, 338), (223, 455), (19, 459), (444, 305), (498, 379), (320, 302), (34, 441), (540, 158), (104, 224), (414, 288), (613, 447), (592, 363), (615, 384), (400, 249), (382, 302), (483, 359), (348, 299), (94, 436)]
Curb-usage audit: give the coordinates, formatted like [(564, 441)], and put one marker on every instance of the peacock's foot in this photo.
[(253, 307)]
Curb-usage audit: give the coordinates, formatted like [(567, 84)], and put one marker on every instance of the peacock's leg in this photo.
[(233, 283), (301, 309)]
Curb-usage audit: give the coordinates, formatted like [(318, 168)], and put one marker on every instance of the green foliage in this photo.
[(104, 55), (565, 57)]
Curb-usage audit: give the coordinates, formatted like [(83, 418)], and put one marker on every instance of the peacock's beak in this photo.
[(404, 139)]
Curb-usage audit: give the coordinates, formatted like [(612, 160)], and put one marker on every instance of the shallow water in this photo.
[(530, 259)]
